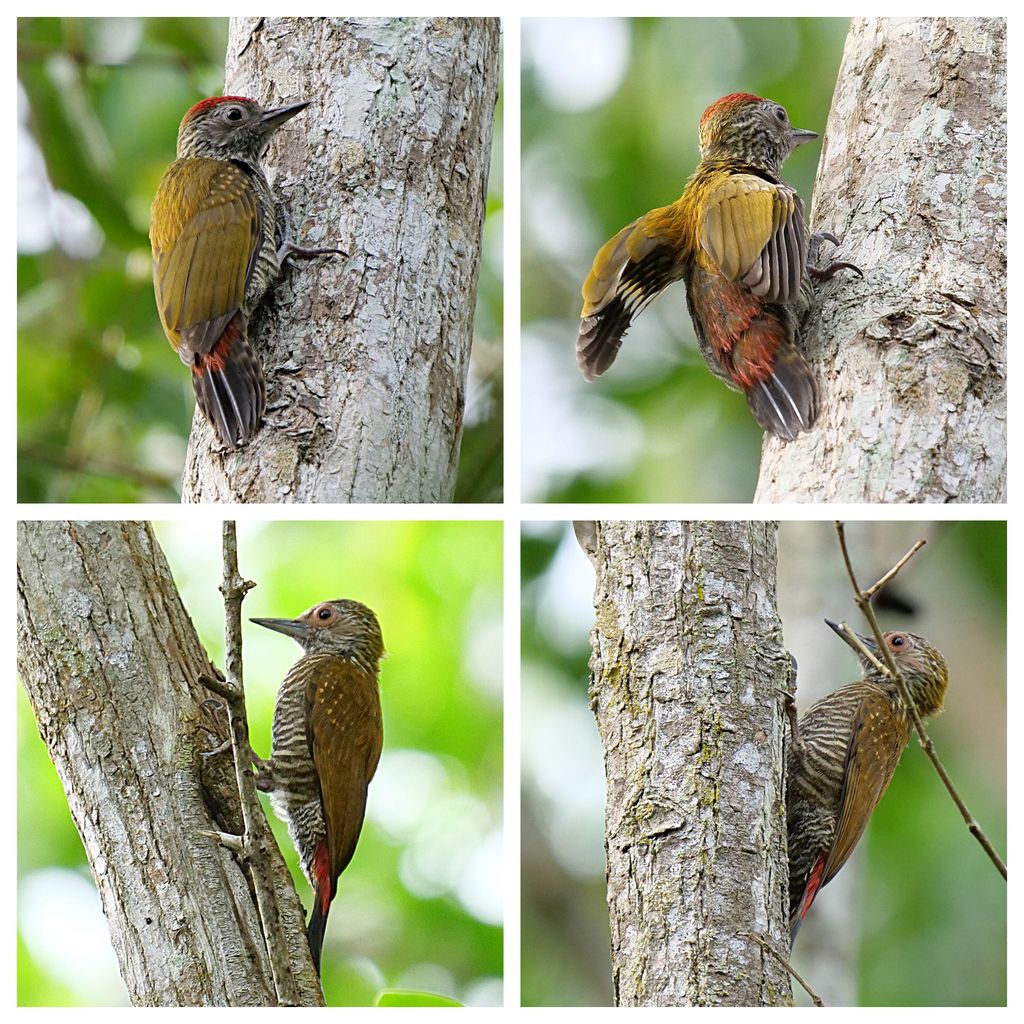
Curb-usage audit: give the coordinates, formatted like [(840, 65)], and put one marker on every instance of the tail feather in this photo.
[(229, 386), (785, 402), (315, 931)]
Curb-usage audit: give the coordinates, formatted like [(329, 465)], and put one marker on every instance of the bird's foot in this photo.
[(825, 273), (287, 249)]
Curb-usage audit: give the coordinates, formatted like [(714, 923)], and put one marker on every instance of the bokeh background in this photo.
[(420, 906), (610, 108), (104, 404), (922, 919)]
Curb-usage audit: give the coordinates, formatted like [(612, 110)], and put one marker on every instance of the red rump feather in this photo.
[(213, 101), (217, 358), (813, 885), (322, 872)]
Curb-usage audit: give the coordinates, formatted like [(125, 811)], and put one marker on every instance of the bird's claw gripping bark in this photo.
[(286, 247), (825, 273)]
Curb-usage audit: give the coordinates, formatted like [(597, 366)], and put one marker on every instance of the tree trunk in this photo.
[(111, 664), (366, 354), (913, 181), (686, 674)]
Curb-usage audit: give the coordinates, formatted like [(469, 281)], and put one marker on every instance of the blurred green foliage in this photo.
[(419, 907), (104, 408), (610, 109), (929, 895)]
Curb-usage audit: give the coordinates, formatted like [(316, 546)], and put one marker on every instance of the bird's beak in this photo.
[(798, 136), (867, 641), (273, 119), (290, 627)]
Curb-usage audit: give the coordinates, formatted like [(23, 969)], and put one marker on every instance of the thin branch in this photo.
[(815, 998), (256, 831), (863, 599), (891, 574)]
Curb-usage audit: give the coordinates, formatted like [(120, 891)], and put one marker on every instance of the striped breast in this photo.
[(296, 795)]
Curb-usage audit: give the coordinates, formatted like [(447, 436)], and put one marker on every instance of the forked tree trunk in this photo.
[(686, 674), (913, 180), (111, 664), (366, 354)]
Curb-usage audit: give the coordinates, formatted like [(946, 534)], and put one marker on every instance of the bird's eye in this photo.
[(897, 640), (324, 614), (234, 114), (780, 113)]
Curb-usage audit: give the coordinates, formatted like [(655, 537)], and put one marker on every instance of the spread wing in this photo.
[(345, 732), (871, 759), (629, 270), (754, 232), (205, 232)]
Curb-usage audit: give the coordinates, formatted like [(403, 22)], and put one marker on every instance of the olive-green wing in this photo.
[(205, 232), (754, 232)]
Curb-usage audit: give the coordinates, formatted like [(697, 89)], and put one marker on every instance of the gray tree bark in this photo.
[(366, 354), (111, 664), (686, 674), (913, 181)]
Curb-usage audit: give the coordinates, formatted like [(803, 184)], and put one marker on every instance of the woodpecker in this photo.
[(214, 232), (327, 736), (844, 753), (737, 237)]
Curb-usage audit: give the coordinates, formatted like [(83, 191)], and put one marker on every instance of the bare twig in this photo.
[(815, 998), (863, 599), (256, 832)]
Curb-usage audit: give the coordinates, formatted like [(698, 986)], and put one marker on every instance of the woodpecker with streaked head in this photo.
[(327, 737), (737, 237), (842, 758), (214, 232)]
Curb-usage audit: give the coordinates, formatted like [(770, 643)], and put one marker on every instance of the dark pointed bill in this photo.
[(867, 641), (290, 627)]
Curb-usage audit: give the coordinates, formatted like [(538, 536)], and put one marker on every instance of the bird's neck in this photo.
[(724, 163), (927, 690)]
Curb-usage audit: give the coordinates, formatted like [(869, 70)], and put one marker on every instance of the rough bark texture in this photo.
[(912, 358), (111, 664), (685, 677), (366, 354)]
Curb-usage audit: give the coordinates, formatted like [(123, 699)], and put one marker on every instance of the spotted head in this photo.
[(231, 128), (923, 667), (751, 130)]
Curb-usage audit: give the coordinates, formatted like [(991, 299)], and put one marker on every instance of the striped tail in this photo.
[(786, 401), (229, 386)]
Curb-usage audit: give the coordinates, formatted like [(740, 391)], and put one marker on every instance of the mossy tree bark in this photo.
[(366, 354), (112, 666), (913, 181), (686, 674)]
